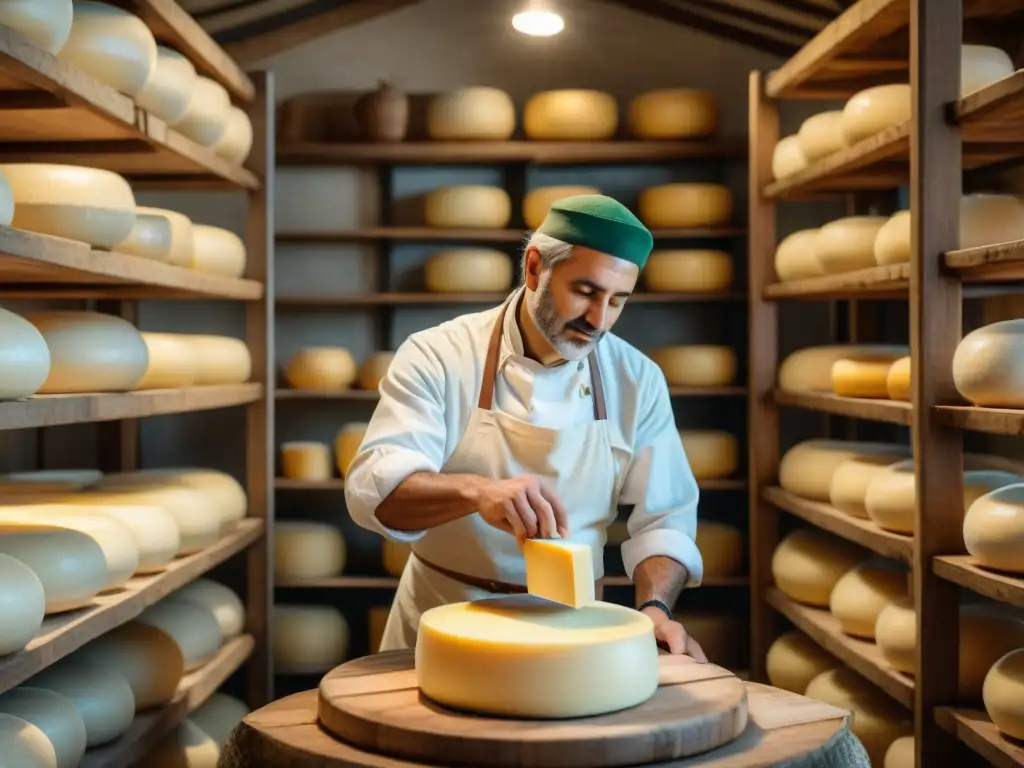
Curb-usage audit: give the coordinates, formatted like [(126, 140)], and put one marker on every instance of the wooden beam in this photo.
[(754, 17)]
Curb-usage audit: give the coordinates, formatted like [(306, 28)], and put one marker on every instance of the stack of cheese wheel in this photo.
[(873, 110), (168, 92), (306, 550), (160, 235), (985, 370), (217, 251), (688, 271), (811, 369), (55, 715), (235, 143), (170, 362), (571, 115), (373, 370), (309, 638), (394, 556), (711, 453), (346, 444), (221, 359), (468, 270), (673, 113), (468, 205), (24, 744), (795, 258), (721, 547), (306, 460), (848, 244), (478, 113), (47, 23), (22, 604), (696, 365), (807, 469), (863, 592), (219, 715), (788, 157), (24, 357), (821, 135), (994, 529), (191, 625), (186, 745), (808, 563), (321, 368), (718, 635), (851, 479), (685, 205), (537, 202), (112, 45), (208, 114), (378, 623), (1003, 694), (220, 600), (222, 492), (70, 564), (794, 660)]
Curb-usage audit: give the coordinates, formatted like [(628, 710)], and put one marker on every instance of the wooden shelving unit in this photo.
[(876, 42)]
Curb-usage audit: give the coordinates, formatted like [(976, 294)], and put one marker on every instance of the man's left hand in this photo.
[(673, 635)]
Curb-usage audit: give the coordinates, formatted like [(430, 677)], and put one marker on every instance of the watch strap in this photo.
[(659, 605)]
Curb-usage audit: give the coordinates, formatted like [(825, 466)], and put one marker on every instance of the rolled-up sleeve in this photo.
[(661, 487), (407, 434)]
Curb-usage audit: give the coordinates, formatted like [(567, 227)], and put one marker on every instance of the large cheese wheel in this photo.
[(394, 556), (170, 363), (151, 238), (1003, 694), (807, 564), (795, 258), (218, 716), (193, 627), (218, 251), (309, 638), (900, 753), (571, 114), (721, 547), (810, 369), (168, 91), (187, 746), (222, 359), (220, 600), (112, 45), (896, 634), (90, 352), (471, 113), (696, 365), (198, 518), (982, 65), (862, 376), (346, 445), (685, 205), (468, 270), (821, 135), (892, 241), (208, 113), (537, 202), (303, 460), (102, 696), (788, 158), (688, 271), (794, 660), (848, 243), (222, 491), (524, 647), (807, 468), (235, 143), (22, 604), (53, 714), (986, 371), (182, 234), (24, 357), (324, 368), (897, 381), (673, 113), (70, 564), (468, 205), (378, 623), (47, 23), (862, 593), (25, 745), (994, 529), (86, 204), (373, 370), (711, 453), (305, 550), (848, 489), (873, 110)]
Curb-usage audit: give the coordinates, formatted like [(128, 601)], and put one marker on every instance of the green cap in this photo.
[(601, 223)]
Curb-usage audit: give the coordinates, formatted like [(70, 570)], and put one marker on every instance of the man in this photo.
[(532, 420)]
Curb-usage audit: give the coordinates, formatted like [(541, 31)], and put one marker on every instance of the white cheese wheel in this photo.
[(537, 202), (851, 479), (236, 142), (150, 238), (795, 258), (688, 271), (685, 205), (53, 714), (696, 365), (373, 370), (721, 547), (986, 370), (863, 376), (86, 204), (873, 110), (23, 744), (222, 359), (810, 369), (112, 45), (192, 626), (346, 444), (168, 91), (807, 468), (103, 698), (170, 363), (306, 550), (862, 594), (220, 600), (182, 235), (22, 604), (47, 23), (218, 716), (378, 623), (673, 113), (788, 158), (479, 113), (848, 243), (217, 251), (982, 65), (321, 368), (187, 746), (302, 460), (808, 563), (468, 205), (394, 556), (222, 490), (794, 660), (994, 529), (90, 352), (70, 564), (711, 453), (821, 135), (24, 357), (197, 516), (897, 381), (468, 270), (309, 638), (1003, 694), (571, 114), (896, 634), (208, 113), (524, 647), (892, 242)]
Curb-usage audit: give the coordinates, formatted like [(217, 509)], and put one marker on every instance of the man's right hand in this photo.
[(524, 507)]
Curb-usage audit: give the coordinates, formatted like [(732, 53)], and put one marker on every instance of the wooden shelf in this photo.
[(890, 281), (995, 421), (974, 728), (441, 234), (961, 570), (390, 582), (316, 394), (862, 532), (67, 632), (988, 263), (149, 728), (891, 411), (362, 300), (286, 483), (862, 656)]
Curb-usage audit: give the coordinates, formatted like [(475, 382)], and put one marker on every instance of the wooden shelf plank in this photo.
[(67, 632), (890, 281), (361, 300), (993, 113), (962, 570), (891, 411), (995, 421), (974, 728), (149, 728), (860, 655), (390, 582), (988, 263), (434, 234), (828, 518)]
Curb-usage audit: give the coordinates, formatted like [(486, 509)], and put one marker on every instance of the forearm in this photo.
[(428, 499), (659, 578)]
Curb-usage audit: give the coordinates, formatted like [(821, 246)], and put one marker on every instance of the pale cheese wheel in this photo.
[(696, 365), (102, 696), (394, 556), (810, 369), (794, 660), (468, 205), (168, 91), (571, 114), (170, 364), (795, 258), (24, 357), (982, 65), (90, 352), (718, 635), (848, 244), (892, 241), (788, 158), (475, 113), (53, 714), (685, 205), (187, 746), (808, 563), (306, 550), (235, 143), (711, 453), (222, 359), (24, 745), (373, 370), (309, 461), (22, 604), (70, 564), (673, 113), (111, 44), (220, 600), (151, 238), (896, 634), (1003, 694), (807, 469), (309, 638), (688, 271), (47, 23), (537, 202), (86, 204), (862, 594), (821, 135), (871, 111), (218, 716), (346, 445), (897, 381), (222, 490), (985, 367), (994, 529), (196, 515), (721, 547), (851, 479), (378, 623), (182, 234), (468, 270), (6, 201), (900, 753), (208, 113), (193, 627), (321, 368), (48, 480), (525, 646), (218, 251)]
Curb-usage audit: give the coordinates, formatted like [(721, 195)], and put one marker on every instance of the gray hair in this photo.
[(552, 251)]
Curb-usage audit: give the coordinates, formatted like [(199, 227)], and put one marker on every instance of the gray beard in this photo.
[(541, 307)]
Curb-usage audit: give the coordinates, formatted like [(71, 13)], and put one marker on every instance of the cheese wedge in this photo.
[(560, 571)]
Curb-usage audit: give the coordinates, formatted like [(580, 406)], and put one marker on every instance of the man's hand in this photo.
[(673, 636), (524, 507)]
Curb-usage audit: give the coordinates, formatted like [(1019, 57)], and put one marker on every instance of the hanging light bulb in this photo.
[(538, 23)]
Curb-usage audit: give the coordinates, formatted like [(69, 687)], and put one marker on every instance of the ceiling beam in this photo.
[(754, 17)]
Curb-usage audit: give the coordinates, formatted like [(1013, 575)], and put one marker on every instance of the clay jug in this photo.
[(383, 115)]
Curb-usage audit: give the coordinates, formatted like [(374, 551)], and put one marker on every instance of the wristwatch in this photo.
[(659, 605)]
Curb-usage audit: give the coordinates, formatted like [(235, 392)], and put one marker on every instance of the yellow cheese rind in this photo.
[(346, 445), (711, 453), (808, 467), (309, 461), (321, 368), (685, 204), (794, 660), (688, 271), (468, 205), (862, 594), (306, 550), (788, 158), (560, 570), (848, 244), (673, 113), (986, 365), (873, 110), (821, 135), (807, 564), (373, 370), (795, 258), (850, 482), (994, 529), (1003, 694), (468, 270), (897, 381), (721, 548), (474, 113), (810, 369), (570, 115), (866, 377), (696, 365)]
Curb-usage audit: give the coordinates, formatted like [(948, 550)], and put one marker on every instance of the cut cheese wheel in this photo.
[(24, 357), (794, 660), (306, 461), (24, 745), (47, 23), (235, 143), (70, 564), (478, 113), (187, 746), (182, 234), (90, 352), (22, 604), (537, 202), (688, 271), (560, 570), (851, 479), (821, 135), (982, 65), (170, 364), (378, 623), (196, 515), (306, 550), (900, 753), (896, 634), (985, 367), (808, 563), (208, 113), (685, 205), (219, 716), (848, 243), (373, 370), (863, 376), (571, 114), (112, 45), (103, 698), (151, 238), (810, 369), (309, 638), (1003, 694), (873, 110), (468, 270), (220, 600), (168, 91), (53, 714), (807, 468), (711, 453), (525, 646), (346, 445), (217, 251), (86, 204), (193, 627), (321, 368), (994, 529), (795, 258), (222, 359), (696, 365), (788, 158), (394, 556), (468, 205), (721, 548), (673, 113), (862, 593), (897, 381), (222, 490)]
